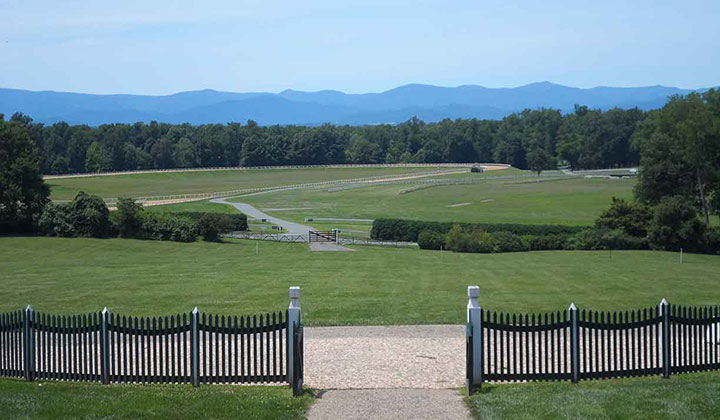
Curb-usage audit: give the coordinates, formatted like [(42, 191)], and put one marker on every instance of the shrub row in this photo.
[(409, 230), (476, 240), (88, 215)]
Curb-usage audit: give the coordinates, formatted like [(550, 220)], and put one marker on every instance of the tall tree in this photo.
[(23, 193)]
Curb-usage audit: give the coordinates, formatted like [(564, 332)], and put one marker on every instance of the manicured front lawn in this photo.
[(689, 396), (57, 400), (371, 286)]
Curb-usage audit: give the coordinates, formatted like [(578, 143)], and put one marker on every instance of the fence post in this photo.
[(665, 312), (294, 318), (194, 348), (29, 344), (105, 346), (474, 320), (574, 344)]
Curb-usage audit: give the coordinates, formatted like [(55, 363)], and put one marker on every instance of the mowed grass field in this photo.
[(192, 182), (371, 286), (689, 396), (567, 201), (58, 400)]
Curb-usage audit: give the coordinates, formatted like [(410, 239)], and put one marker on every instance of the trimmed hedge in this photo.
[(226, 222), (431, 240), (409, 230), (167, 227)]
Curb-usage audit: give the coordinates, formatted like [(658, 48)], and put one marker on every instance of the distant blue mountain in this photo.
[(427, 102)]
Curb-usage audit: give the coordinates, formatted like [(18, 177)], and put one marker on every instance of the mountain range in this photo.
[(427, 102)]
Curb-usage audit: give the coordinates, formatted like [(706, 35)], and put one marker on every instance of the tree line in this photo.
[(532, 139)]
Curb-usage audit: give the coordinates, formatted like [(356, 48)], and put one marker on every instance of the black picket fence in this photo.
[(578, 344), (185, 348)]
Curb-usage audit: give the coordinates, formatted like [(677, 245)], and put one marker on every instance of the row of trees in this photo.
[(534, 139)]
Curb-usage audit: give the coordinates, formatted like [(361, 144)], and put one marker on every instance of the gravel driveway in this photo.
[(417, 356)]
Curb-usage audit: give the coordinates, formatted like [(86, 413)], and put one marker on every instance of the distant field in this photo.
[(370, 286), (167, 183), (570, 201)]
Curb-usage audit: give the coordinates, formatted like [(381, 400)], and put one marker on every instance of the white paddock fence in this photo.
[(255, 168)]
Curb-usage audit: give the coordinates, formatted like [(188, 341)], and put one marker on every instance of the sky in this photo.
[(160, 47)]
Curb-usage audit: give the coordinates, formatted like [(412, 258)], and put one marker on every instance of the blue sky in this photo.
[(161, 47)]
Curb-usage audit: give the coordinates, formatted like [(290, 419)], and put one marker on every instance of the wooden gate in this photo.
[(320, 236)]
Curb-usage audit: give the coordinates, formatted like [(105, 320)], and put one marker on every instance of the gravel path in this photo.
[(417, 356), (252, 212), (363, 404), (393, 372)]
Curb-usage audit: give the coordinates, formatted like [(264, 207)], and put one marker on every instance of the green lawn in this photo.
[(168, 183), (571, 201), (690, 396), (57, 400), (372, 285)]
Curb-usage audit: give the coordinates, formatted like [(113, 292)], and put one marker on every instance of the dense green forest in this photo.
[(535, 139)]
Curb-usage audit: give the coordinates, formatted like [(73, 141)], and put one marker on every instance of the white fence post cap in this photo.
[(194, 311), (294, 292), (106, 310), (28, 308), (573, 307), (663, 302), (473, 292)]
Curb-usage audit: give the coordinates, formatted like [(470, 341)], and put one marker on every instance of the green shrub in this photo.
[(409, 230), (675, 225), (509, 242), (56, 220), (127, 220), (431, 240), (209, 226), (85, 215), (633, 218), (168, 227), (476, 240), (225, 222), (588, 239), (712, 241), (620, 239), (546, 242)]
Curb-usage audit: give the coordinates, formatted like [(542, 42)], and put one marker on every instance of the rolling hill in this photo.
[(427, 102)]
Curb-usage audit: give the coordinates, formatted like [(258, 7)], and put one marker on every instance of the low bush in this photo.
[(168, 227), (547, 242), (86, 215), (712, 241), (470, 240), (127, 220), (675, 225), (509, 242), (225, 222), (428, 239), (633, 218), (409, 230)]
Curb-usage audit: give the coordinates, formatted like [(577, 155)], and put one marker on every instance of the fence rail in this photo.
[(190, 347), (579, 344)]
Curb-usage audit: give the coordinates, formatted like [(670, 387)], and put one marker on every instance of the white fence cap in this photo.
[(473, 292)]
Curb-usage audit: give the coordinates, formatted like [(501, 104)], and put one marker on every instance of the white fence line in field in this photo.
[(251, 168)]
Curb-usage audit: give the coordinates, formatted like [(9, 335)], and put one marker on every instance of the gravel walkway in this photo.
[(391, 404), (253, 212), (417, 356), (394, 372)]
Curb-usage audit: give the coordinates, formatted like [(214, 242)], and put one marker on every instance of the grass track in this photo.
[(689, 396), (56, 400), (168, 183), (572, 201), (371, 286)]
